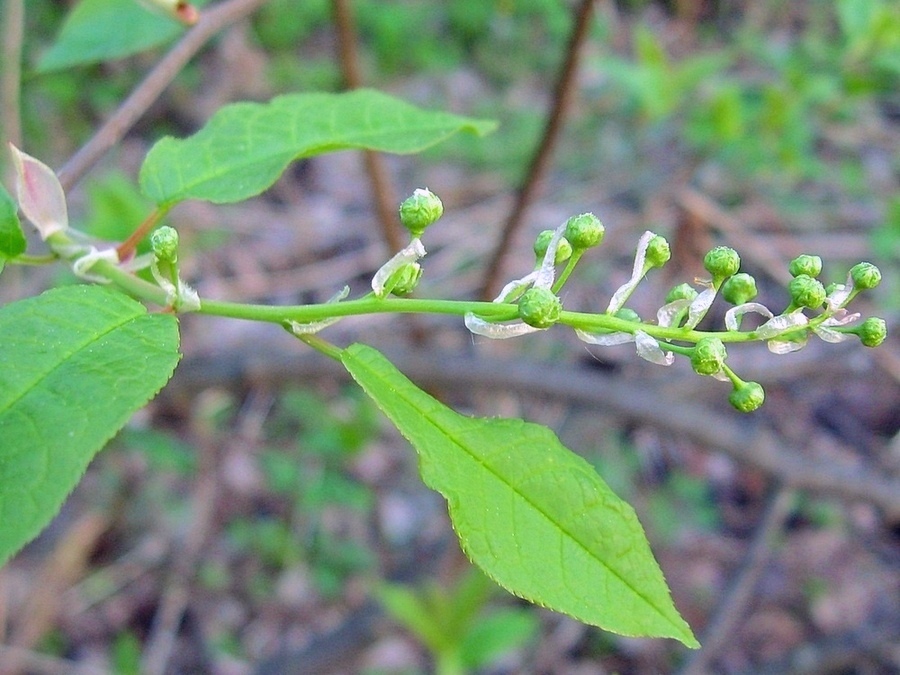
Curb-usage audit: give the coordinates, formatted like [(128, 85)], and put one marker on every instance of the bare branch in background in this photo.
[(540, 162), (10, 113), (733, 605), (114, 129), (379, 180)]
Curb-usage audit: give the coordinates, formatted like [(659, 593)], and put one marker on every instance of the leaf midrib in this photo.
[(537, 509), (45, 375)]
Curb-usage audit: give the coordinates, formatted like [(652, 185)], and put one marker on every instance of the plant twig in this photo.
[(379, 180), (13, 30), (562, 97), (112, 131), (734, 603)]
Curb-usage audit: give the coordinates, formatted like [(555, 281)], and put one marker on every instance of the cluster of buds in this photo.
[(675, 329)]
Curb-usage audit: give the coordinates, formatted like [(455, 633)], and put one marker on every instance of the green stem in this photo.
[(368, 305), (570, 265), (26, 259), (607, 323), (131, 284), (322, 346)]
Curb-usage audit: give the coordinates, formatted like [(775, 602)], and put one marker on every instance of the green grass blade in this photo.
[(534, 516)]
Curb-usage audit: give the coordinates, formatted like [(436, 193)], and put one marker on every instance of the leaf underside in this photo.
[(534, 516), (245, 147), (75, 363)]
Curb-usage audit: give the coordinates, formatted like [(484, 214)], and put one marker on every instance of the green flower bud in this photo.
[(739, 288), (747, 396), (658, 252), (420, 210), (539, 307), (872, 331), (865, 276), (405, 279), (584, 231), (164, 244), (810, 265), (807, 292), (722, 262), (628, 314), (682, 292), (563, 249), (708, 356)]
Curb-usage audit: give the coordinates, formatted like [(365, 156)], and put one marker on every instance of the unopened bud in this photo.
[(872, 331), (747, 396), (681, 292), (807, 292), (405, 279), (865, 276), (721, 262), (539, 307), (164, 244), (739, 288), (658, 252), (708, 356), (420, 210), (542, 242), (810, 265), (584, 231)]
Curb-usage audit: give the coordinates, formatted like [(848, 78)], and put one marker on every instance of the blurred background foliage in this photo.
[(788, 107)]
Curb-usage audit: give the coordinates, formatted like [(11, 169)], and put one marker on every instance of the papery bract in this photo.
[(840, 318), (836, 299), (648, 348), (413, 251), (497, 331), (700, 306), (310, 327), (40, 194), (734, 315), (779, 324), (637, 273), (666, 315), (604, 339)]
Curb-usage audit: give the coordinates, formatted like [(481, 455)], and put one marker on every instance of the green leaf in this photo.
[(534, 516), (497, 634), (245, 147), (76, 363), (100, 30), (12, 240)]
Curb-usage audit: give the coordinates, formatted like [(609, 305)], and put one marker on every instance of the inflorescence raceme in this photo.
[(813, 308), (528, 304)]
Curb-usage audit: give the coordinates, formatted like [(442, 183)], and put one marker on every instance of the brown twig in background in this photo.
[(176, 598), (540, 161), (744, 439), (112, 131), (64, 566), (13, 30), (707, 210), (733, 605), (379, 181)]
